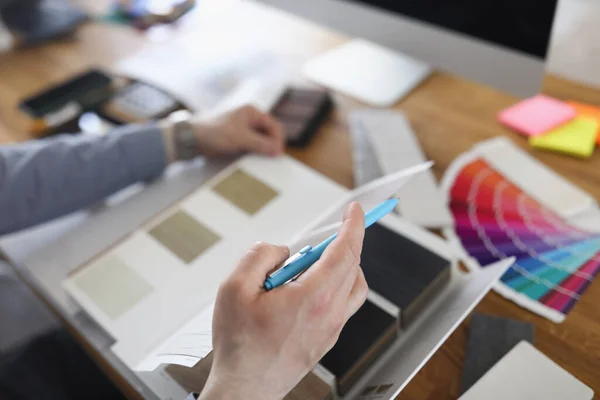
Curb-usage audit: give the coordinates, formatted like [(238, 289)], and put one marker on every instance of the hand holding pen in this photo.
[(265, 342), (309, 255)]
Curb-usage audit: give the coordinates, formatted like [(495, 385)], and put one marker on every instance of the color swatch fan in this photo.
[(495, 218)]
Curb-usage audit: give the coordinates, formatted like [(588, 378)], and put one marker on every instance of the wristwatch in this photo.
[(185, 142)]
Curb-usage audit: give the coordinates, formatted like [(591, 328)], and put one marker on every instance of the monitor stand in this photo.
[(367, 72)]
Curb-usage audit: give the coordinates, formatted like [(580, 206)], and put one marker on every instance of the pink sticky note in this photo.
[(537, 115)]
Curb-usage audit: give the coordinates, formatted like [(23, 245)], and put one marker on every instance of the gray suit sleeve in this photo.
[(44, 179)]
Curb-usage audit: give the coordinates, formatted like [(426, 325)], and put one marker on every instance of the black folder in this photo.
[(367, 334), (402, 271)]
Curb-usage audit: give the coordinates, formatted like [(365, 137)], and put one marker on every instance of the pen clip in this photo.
[(290, 260)]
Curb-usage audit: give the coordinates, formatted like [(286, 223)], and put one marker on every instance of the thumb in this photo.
[(258, 262), (258, 143)]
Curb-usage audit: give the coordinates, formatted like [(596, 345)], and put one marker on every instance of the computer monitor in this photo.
[(501, 43)]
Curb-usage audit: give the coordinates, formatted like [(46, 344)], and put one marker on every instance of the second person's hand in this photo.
[(244, 129), (240, 130)]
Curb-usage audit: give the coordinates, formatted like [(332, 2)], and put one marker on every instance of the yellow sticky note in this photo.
[(587, 111), (576, 138)]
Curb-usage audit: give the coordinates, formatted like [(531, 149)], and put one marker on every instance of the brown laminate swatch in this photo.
[(184, 236), (245, 192)]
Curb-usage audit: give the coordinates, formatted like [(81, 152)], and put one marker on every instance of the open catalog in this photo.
[(153, 291)]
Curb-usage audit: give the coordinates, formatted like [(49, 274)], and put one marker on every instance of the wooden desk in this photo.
[(449, 114)]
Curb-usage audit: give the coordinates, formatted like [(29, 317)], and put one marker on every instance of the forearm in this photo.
[(44, 179)]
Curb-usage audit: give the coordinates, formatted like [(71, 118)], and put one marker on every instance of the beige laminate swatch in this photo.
[(184, 236), (245, 192), (113, 286)]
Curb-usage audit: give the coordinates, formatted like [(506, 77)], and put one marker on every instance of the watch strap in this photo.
[(186, 144)]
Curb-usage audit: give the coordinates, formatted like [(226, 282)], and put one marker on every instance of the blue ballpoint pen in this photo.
[(310, 255)]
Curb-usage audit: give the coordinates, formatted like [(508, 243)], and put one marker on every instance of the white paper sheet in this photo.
[(262, 93), (186, 347), (368, 196), (210, 75)]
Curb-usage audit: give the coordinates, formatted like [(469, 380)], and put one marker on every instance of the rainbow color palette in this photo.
[(494, 218)]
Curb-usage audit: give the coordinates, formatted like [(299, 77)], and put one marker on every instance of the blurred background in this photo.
[(574, 50), (574, 54)]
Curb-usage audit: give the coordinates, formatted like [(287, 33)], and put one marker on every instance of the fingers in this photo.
[(352, 293), (266, 124), (358, 294), (258, 261), (347, 300), (341, 256), (258, 143), (267, 127)]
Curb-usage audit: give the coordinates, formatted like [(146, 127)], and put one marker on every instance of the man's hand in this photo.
[(265, 342), (243, 129)]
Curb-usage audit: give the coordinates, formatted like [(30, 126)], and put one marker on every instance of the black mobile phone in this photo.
[(88, 90)]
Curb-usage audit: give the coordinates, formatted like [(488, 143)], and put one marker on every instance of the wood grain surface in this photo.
[(448, 113)]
